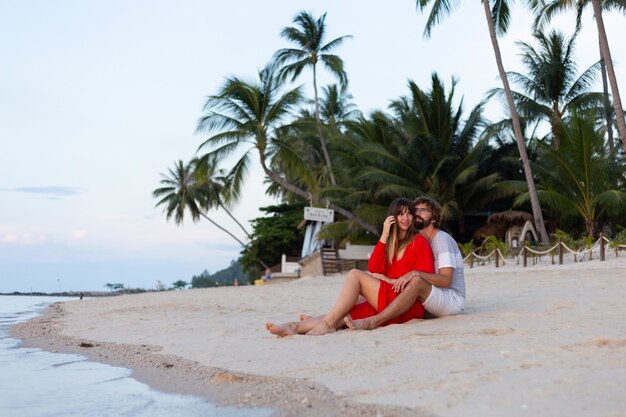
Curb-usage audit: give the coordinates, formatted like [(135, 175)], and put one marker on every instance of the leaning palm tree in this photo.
[(545, 11), (182, 192), (218, 190), (498, 20), (249, 116), (551, 87), (309, 36)]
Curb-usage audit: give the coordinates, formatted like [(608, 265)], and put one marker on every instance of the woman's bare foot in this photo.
[(303, 317), (362, 324), (282, 330), (321, 328)]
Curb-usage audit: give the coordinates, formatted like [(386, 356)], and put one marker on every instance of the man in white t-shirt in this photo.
[(441, 293)]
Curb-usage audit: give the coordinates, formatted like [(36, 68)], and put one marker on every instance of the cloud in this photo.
[(26, 239), (49, 191), (79, 234), (9, 238)]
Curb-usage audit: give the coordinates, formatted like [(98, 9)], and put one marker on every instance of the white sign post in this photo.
[(319, 214)]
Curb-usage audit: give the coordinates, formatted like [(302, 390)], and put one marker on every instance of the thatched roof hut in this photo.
[(510, 218), (488, 230)]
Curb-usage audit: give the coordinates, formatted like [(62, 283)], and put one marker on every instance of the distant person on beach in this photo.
[(268, 276), (441, 293), (399, 250)]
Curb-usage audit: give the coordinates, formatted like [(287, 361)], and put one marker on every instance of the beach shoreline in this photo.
[(289, 397), (544, 340)]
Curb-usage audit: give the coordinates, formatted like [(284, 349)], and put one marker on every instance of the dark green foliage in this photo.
[(114, 286), (273, 235), (580, 180), (224, 277), (179, 285)]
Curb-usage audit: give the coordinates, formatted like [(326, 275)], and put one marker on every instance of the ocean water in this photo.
[(35, 383)]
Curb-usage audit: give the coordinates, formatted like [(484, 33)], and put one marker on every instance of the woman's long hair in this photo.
[(395, 245)]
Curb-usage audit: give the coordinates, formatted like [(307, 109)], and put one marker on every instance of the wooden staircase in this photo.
[(331, 263)]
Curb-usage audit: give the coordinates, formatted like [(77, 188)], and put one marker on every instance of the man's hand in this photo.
[(401, 282)]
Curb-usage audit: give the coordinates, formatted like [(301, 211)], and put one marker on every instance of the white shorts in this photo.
[(444, 302)]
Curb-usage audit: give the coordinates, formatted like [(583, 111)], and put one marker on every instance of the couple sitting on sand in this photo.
[(406, 276)]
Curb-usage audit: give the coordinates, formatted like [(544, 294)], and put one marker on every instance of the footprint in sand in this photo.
[(497, 332)]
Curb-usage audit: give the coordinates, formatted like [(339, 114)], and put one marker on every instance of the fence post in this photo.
[(497, 258), (560, 252), (602, 246), (525, 255), (471, 259)]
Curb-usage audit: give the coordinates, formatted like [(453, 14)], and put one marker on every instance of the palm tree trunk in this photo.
[(329, 164), (606, 55), (532, 190), (236, 238), (462, 229), (591, 226), (607, 105), (236, 221), (307, 195), (556, 119)]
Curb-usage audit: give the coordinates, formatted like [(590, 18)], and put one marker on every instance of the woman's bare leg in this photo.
[(303, 316), (357, 283)]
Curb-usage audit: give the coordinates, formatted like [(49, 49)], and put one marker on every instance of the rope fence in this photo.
[(560, 250)]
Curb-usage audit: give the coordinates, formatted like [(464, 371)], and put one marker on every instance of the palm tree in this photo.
[(498, 20), (308, 170), (552, 88), (301, 138), (426, 147), (580, 179), (249, 115), (182, 192), (451, 149), (336, 106), (545, 11), (309, 36), (218, 190)]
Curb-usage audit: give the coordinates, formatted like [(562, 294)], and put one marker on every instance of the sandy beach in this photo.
[(540, 341)]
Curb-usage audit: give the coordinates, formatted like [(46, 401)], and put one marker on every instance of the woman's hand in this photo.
[(383, 278), (389, 221), (401, 282)]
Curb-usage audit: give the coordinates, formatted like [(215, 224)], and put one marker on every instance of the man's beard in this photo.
[(422, 224)]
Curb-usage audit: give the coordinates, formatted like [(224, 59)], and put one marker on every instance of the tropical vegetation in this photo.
[(550, 156)]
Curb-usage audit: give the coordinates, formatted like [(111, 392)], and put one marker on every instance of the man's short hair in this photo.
[(434, 207)]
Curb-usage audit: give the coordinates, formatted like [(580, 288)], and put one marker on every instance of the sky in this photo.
[(98, 98)]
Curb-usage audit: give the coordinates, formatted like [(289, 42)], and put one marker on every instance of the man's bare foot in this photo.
[(321, 328), (303, 317), (286, 329), (362, 324)]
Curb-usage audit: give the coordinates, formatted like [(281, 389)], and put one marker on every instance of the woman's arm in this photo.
[(378, 259), (383, 278), (377, 262)]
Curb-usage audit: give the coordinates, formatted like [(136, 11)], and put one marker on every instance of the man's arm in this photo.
[(442, 280)]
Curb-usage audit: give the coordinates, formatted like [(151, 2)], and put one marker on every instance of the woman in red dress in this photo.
[(399, 250)]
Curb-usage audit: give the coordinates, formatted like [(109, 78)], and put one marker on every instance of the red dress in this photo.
[(417, 257)]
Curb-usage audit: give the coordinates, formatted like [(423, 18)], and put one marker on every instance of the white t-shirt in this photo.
[(448, 255)]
